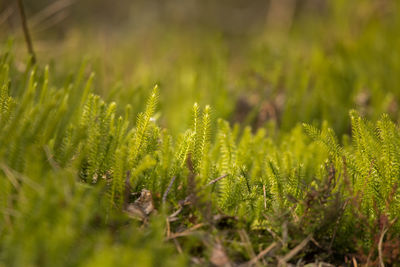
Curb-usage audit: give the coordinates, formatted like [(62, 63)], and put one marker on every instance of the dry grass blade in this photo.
[(50, 158), (11, 177), (173, 217), (16, 179), (261, 254), (247, 243), (264, 197), (178, 246), (49, 11), (283, 261), (164, 198)]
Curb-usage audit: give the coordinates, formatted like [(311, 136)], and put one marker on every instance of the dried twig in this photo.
[(216, 180), (293, 252), (178, 246), (316, 243), (261, 254), (186, 232), (265, 197), (188, 200), (381, 263), (164, 198), (27, 35), (50, 158), (274, 235), (11, 177), (172, 217), (247, 243)]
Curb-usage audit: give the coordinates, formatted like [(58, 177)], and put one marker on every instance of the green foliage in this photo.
[(91, 160), (76, 157)]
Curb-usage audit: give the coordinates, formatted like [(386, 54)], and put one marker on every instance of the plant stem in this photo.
[(27, 36)]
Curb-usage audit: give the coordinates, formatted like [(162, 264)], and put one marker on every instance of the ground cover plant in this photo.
[(301, 167)]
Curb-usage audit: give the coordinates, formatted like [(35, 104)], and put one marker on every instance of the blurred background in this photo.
[(235, 17), (273, 63)]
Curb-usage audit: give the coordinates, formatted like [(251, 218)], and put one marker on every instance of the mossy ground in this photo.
[(266, 148)]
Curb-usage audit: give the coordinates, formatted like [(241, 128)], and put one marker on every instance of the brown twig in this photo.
[(27, 36), (168, 227), (216, 180), (293, 252), (316, 243), (355, 264), (178, 246), (273, 234), (381, 263), (172, 217), (164, 198), (261, 254), (50, 158), (186, 232)]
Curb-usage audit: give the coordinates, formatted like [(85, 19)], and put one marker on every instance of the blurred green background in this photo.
[(276, 62)]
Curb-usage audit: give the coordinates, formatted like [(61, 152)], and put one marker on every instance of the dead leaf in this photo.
[(142, 207), (145, 201)]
